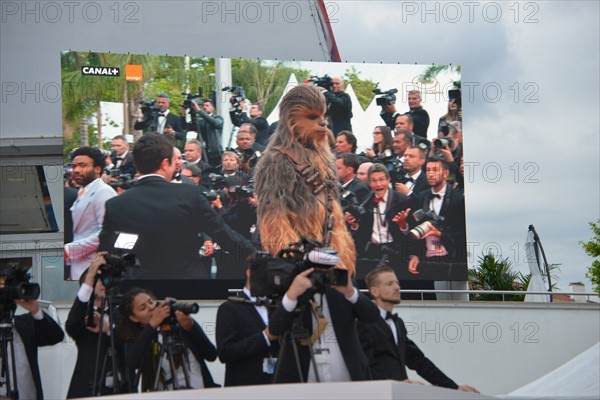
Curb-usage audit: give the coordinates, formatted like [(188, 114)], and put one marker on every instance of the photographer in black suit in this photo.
[(339, 106), (244, 342), (167, 217), (386, 342), (29, 331), (160, 120)]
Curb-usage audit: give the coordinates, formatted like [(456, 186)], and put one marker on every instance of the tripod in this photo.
[(109, 303), (292, 336), (172, 347), (8, 372)]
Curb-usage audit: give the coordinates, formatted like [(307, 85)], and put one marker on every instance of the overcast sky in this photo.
[(547, 130)]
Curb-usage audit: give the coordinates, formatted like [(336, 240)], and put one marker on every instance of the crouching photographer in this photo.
[(161, 337), (316, 316), (21, 335)]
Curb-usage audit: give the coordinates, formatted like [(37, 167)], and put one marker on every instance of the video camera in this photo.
[(385, 98), (350, 204), (118, 259), (237, 95), (426, 220), (16, 286), (322, 81), (189, 97), (148, 108), (272, 276)]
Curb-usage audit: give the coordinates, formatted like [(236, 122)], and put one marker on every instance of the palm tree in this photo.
[(492, 274)]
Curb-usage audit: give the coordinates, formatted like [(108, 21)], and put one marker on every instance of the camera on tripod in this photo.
[(324, 81), (16, 284), (272, 276), (350, 204), (427, 220), (237, 96), (118, 260), (385, 97)]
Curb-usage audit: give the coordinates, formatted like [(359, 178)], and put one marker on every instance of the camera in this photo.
[(189, 97), (426, 220), (16, 286), (321, 81), (272, 276), (120, 181), (350, 204), (118, 259), (385, 98), (186, 308), (240, 193), (442, 142), (237, 95), (148, 107)]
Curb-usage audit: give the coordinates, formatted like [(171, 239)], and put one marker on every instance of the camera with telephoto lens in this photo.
[(237, 96), (426, 220), (170, 323), (440, 143), (239, 193), (385, 98), (324, 81), (272, 276), (351, 205)]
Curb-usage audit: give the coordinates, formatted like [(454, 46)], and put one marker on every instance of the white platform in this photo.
[(380, 390)]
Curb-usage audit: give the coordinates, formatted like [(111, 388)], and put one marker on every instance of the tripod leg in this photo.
[(297, 359), (312, 359), (282, 345), (158, 369)]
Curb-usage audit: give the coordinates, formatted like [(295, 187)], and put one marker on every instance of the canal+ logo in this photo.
[(100, 71)]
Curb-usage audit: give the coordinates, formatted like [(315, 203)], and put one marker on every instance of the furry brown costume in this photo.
[(293, 201)]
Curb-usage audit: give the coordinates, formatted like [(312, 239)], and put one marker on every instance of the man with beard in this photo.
[(386, 342), (87, 211), (413, 181)]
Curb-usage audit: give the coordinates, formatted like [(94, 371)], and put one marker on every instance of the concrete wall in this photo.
[(496, 347)]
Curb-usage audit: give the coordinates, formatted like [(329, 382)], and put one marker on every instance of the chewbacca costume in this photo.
[(296, 180)]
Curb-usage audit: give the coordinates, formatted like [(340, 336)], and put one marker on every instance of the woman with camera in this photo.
[(382, 144), (143, 319)]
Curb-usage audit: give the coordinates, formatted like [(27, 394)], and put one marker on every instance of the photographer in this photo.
[(210, 130), (121, 157), (141, 317), (381, 148), (339, 106), (419, 116), (347, 164), (444, 240), (248, 150), (256, 119), (84, 334), (160, 119), (244, 342), (330, 318), (29, 331)]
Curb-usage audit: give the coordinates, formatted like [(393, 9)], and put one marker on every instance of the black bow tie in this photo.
[(434, 195), (161, 114), (389, 315), (119, 158), (409, 179)]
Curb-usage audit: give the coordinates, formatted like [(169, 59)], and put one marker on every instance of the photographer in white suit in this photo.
[(88, 210)]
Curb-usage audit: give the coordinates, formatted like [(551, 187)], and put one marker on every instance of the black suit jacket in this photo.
[(127, 165), (86, 342), (359, 189), (420, 120), (151, 125), (396, 202), (35, 333), (168, 218), (453, 227), (344, 316), (241, 344), (339, 109), (389, 360)]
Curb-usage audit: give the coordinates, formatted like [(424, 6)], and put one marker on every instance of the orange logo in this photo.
[(133, 72)]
